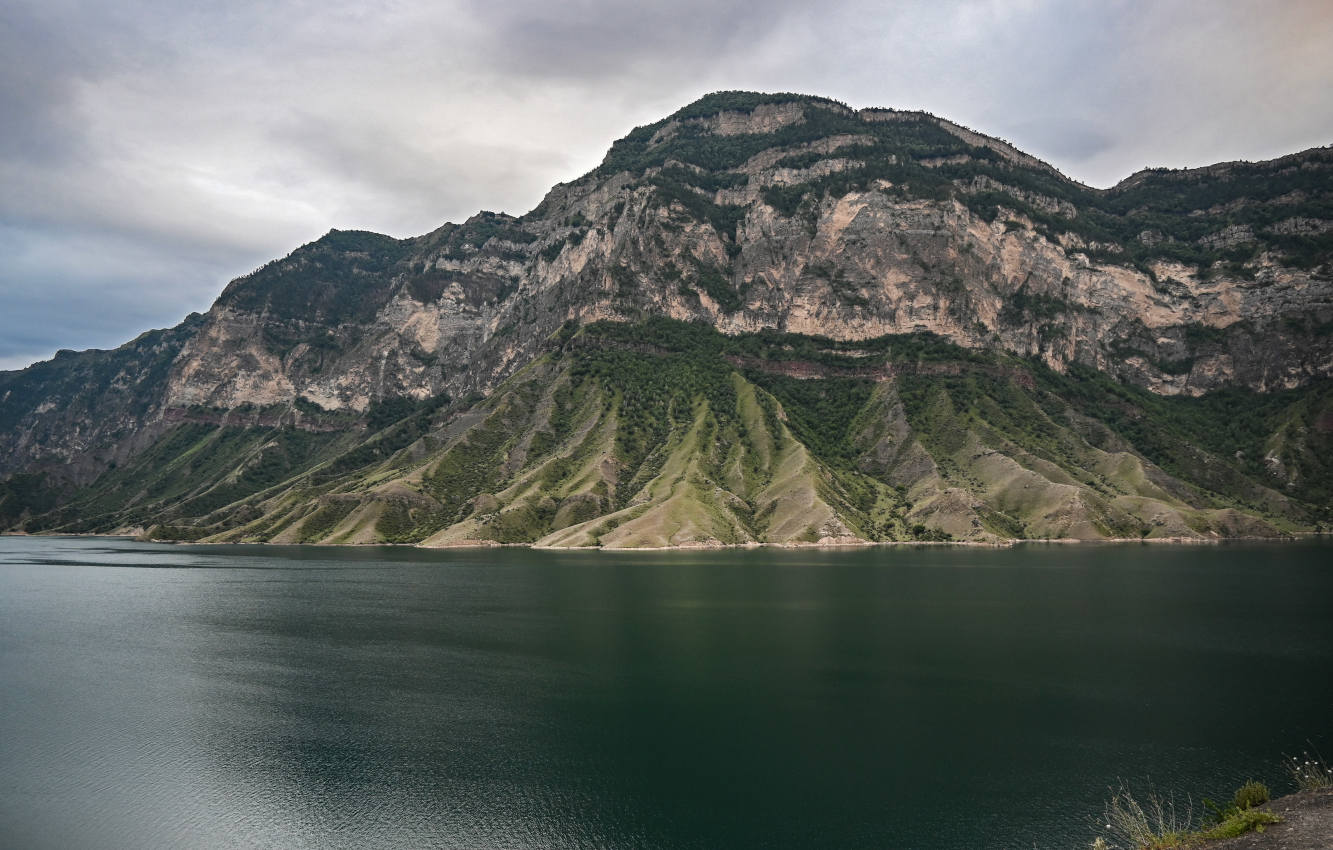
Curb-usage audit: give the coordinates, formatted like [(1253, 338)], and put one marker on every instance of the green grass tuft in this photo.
[(1239, 823)]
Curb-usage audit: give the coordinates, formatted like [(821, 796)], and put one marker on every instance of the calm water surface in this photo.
[(159, 696)]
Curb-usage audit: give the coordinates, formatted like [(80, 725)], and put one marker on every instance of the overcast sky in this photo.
[(152, 151)]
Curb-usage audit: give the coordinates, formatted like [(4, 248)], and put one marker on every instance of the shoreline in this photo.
[(1295, 537)]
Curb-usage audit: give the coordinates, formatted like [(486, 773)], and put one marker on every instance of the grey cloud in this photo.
[(401, 181), (64, 290), (35, 91), (1065, 138), (595, 38)]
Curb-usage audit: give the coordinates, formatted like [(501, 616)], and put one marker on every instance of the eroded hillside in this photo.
[(671, 434)]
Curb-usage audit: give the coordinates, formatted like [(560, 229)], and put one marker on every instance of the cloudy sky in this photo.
[(150, 151)]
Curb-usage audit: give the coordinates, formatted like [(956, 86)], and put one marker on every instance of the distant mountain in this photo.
[(765, 318)]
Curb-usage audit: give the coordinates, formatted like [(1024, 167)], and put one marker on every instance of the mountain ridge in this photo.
[(749, 214)]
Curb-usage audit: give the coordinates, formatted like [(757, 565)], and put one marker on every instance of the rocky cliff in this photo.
[(750, 215)]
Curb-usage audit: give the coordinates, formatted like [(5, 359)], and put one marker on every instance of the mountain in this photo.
[(764, 318)]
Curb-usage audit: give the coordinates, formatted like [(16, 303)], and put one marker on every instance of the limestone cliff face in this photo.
[(752, 212), (73, 416), (818, 220)]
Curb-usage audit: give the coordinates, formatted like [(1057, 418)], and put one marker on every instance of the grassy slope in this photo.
[(647, 435)]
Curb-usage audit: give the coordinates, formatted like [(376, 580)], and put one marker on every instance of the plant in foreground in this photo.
[(1156, 824), (1247, 796), (1239, 823), (1153, 823), (1251, 794), (1310, 772)]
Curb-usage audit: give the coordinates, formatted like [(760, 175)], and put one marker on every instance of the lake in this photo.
[(896, 697)]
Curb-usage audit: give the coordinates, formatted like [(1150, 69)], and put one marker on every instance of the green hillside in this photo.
[(665, 434)]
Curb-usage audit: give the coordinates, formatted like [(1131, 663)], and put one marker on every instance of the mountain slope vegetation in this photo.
[(664, 433)]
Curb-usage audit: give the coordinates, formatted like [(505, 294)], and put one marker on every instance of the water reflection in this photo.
[(242, 696)]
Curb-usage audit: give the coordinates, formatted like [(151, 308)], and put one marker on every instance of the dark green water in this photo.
[(160, 696)]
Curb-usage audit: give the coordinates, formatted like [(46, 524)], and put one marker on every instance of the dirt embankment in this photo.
[(1307, 824)]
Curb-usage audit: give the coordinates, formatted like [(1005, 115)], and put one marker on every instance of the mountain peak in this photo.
[(718, 102), (808, 322)]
